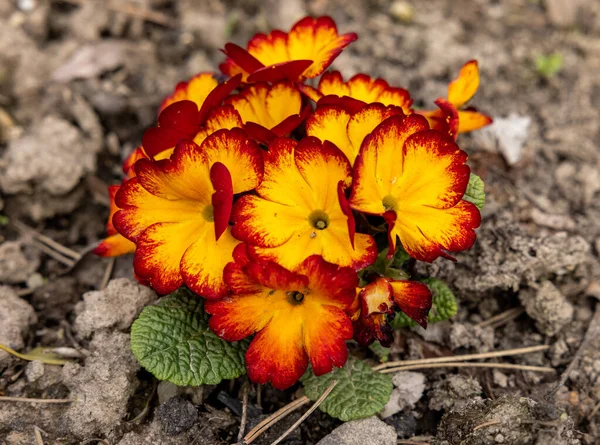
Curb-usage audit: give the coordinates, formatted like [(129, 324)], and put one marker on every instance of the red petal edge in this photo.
[(242, 58), (218, 95), (347, 211), (291, 70), (222, 198)]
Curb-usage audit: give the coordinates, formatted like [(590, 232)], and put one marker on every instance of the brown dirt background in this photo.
[(80, 80)]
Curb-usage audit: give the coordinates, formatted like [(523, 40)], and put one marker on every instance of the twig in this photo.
[(110, 266), (83, 253), (307, 413), (274, 418), (39, 440), (484, 424), (503, 317), (52, 253), (30, 400), (411, 442), (48, 241), (593, 331), (143, 13), (470, 365), (594, 411), (495, 354), (245, 388)]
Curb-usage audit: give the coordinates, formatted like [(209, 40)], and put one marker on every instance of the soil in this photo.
[(81, 80)]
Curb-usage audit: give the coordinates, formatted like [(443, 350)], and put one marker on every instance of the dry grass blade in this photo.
[(53, 254), (412, 442), (274, 418), (307, 413), (39, 440), (502, 318), (485, 424), (245, 390), (49, 358), (110, 266), (70, 253), (470, 365), (594, 411), (454, 358), (30, 400)]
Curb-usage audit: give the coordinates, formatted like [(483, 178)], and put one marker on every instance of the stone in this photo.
[(369, 431), (402, 11), (548, 307), (16, 315), (30, 163), (34, 371), (467, 335), (101, 387), (117, 306), (17, 262), (409, 388), (500, 378), (506, 135), (167, 390)]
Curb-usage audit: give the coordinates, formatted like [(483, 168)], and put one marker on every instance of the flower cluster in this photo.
[(265, 196)]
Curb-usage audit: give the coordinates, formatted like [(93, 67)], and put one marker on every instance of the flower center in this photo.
[(209, 213), (390, 203), (319, 219), (295, 297)]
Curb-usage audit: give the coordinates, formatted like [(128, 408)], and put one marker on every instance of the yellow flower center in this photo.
[(319, 219), (209, 213), (390, 202), (295, 297)]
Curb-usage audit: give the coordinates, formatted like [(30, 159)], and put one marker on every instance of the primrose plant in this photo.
[(281, 219)]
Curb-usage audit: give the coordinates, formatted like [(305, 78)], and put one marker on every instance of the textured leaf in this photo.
[(360, 392), (475, 191), (381, 352), (444, 305), (172, 340)]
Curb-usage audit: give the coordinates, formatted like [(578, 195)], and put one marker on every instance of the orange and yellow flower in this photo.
[(383, 297), (347, 130), (416, 178), (297, 316), (460, 91), (184, 119), (177, 211), (269, 111), (195, 89), (362, 88), (114, 244), (305, 52), (300, 208)]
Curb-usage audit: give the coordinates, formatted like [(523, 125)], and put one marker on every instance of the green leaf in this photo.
[(360, 391), (549, 65), (172, 340), (475, 191), (444, 305), (444, 301), (381, 352)]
